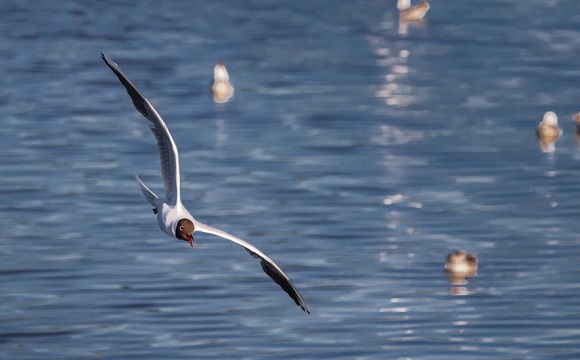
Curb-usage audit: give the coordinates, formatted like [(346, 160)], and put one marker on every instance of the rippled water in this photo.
[(357, 152)]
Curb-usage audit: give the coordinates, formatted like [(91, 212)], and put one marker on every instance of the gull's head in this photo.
[(550, 119), (184, 231), (220, 73), (403, 4)]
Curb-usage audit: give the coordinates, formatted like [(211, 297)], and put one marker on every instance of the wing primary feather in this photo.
[(164, 157), (285, 284), (138, 99), (254, 255), (267, 264), (167, 149)]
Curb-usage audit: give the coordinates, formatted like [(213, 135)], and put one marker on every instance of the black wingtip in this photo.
[(108, 60), (138, 98), (286, 285)]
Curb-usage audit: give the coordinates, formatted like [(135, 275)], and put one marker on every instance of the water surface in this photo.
[(356, 152)]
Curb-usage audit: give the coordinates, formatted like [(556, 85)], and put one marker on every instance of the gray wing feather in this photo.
[(167, 149), (149, 195), (165, 157), (267, 264)]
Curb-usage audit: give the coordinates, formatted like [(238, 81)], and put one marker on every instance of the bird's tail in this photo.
[(149, 195)]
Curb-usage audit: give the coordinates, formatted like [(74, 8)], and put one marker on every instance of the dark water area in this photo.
[(357, 152)]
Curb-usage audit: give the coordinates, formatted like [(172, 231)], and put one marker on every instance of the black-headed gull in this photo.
[(173, 217), (221, 88)]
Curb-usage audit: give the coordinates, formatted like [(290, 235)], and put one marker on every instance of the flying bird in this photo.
[(172, 216)]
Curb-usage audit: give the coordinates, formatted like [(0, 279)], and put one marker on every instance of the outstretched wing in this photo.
[(269, 266), (167, 149)]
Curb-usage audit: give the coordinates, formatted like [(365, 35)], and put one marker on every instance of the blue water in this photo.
[(356, 152)]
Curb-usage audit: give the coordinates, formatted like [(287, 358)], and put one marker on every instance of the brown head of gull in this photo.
[(172, 217), (184, 231)]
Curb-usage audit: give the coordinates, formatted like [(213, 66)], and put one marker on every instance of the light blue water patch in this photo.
[(357, 152)]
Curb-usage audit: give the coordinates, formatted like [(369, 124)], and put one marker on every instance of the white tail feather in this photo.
[(149, 195)]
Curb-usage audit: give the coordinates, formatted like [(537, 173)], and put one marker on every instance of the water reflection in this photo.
[(392, 89), (403, 28), (459, 290), (221, 133)]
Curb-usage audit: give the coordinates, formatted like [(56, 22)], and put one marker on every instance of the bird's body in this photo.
[(172, 216), (548, 131), (548, 128), (461, 263), (221, 88), (412, 13)]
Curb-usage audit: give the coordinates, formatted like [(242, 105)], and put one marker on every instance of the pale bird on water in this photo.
[(548, 131), (461, 263), (221, 88), (412, 13)]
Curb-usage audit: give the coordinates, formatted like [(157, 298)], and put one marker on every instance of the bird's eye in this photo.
[(181, 228)]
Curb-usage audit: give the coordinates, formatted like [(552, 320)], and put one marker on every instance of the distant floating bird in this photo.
[(461, 263), (576, 118), (172, 216), (221, 88), (548, 131), (412, 13), (548, 127)]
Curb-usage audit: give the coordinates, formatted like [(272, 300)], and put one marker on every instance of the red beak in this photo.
[(190, 240)]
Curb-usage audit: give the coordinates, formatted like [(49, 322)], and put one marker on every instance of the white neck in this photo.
[(220, 73), (403, 4)]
